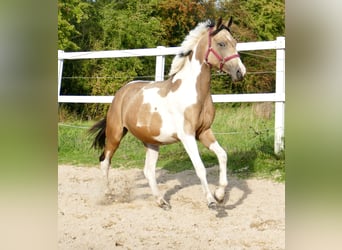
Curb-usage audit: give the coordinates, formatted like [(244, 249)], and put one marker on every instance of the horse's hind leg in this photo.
[(113, 139), (152, 152), (208, 139)]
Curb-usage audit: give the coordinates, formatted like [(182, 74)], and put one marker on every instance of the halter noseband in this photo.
[(217, 55)]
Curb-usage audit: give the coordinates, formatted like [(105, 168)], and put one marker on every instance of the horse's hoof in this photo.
[(165, 207), (212, 205), (164, 204), (219, 195)]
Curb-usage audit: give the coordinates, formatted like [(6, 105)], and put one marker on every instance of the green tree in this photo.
[(256, 19), (266, 17), (70, 13), (93, 25), (127, 25), (178, 18), (130, 24), (119, 25)]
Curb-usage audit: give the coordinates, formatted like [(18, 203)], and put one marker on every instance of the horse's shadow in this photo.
[(222, 207), (191, 179)]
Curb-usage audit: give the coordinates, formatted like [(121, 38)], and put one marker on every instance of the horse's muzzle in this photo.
[(239, 75)]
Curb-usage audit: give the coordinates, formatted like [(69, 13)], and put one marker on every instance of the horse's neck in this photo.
[(195, 75)]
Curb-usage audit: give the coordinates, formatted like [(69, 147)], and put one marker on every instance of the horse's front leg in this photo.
[(191, 148), (152, 152), (208, 139), (223, 181)]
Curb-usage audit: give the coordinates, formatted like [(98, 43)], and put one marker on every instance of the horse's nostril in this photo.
[(239, 75)]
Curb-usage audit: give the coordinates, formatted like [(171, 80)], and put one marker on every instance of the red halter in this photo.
[(218, 56)]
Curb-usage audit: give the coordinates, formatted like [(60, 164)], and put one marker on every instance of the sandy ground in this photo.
[(252, 217)]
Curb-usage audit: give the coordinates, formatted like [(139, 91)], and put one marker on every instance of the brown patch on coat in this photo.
[(165, 86), (137, 116), (199, 116), (201, 49), (190, 55), (207, 138), (175, 136), (148, 125)]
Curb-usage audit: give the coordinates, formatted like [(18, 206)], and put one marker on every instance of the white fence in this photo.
[(160, 52)]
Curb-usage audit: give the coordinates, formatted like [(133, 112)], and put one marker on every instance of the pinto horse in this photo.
[(177, 109)]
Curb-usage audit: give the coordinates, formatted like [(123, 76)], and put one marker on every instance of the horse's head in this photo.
[(222, 51)]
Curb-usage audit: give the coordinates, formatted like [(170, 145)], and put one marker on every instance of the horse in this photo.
[(179, 109)]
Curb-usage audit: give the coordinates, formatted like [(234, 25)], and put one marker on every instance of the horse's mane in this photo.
[(188, 44)]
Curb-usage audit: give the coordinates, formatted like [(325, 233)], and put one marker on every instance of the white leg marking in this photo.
[(222, 158), (105, 165), (191, 148), (152, 153)]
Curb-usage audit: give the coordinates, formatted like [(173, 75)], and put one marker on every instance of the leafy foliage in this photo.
[(90, 25), (178, 18), (70, 13), (266, 17)]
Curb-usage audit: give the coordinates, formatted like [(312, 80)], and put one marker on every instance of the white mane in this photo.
[(187, 45)]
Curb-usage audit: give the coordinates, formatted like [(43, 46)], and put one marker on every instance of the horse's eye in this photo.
[(221, 44)]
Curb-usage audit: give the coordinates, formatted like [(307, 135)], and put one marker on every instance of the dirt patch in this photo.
[(126, 216)]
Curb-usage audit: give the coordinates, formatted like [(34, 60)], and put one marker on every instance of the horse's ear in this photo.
[(230, 22), (219, 23)]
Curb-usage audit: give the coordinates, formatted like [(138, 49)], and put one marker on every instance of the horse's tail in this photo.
[(100, 130)]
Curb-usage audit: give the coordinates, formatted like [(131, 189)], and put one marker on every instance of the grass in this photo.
[(246, 137)]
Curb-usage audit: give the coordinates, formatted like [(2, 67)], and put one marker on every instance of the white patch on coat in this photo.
[(172, 107)]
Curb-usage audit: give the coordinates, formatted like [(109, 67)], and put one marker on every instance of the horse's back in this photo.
[(133, 110), (123, 99)]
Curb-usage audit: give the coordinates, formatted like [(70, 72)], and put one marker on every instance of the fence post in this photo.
[(160, 65), (60, 70), (279, 123)]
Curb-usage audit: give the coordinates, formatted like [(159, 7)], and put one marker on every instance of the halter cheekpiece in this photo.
[(217, 55)]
